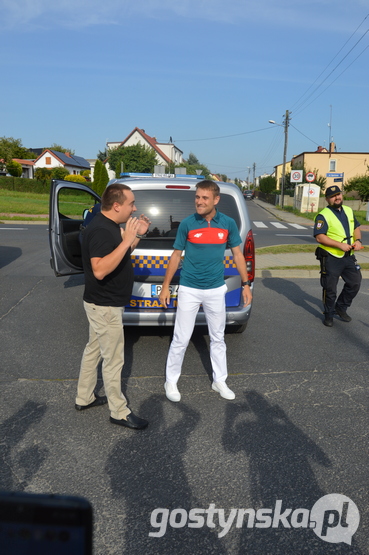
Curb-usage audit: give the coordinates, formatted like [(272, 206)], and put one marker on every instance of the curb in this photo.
[(295, 273)]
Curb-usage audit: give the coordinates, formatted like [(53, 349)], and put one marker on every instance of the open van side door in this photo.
[(68, 202)]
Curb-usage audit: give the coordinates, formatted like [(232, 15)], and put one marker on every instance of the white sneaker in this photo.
[(223, 389), (172, 393)]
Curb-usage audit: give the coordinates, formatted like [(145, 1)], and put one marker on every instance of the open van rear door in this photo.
[(68, 202)]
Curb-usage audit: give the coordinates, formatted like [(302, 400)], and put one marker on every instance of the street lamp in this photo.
[(285, 126)]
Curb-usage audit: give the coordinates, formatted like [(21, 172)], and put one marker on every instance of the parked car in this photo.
[(248, 195), (166, 200)]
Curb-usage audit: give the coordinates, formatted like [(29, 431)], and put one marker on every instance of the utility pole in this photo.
[(285, 124), (253, 173)]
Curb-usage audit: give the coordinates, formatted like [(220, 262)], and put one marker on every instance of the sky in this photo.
[(208, 73)]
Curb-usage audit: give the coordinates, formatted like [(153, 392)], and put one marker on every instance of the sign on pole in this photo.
[(310, 177), (296, 176)]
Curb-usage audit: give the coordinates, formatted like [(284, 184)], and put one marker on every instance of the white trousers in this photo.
[(189, 301)]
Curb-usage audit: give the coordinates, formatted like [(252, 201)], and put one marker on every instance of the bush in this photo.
[(75, 178), (59, 173), (14, 168), (24, 185)]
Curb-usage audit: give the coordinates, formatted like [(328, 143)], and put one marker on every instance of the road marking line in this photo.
[(260, 224), (297, 226), (279, 225)]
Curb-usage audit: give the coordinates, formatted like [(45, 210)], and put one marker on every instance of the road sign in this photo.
[(338, 179), (334, 174), (296, 176), (310, 177)]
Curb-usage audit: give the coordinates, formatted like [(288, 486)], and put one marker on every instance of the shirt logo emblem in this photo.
[(319, 224), (197, 234), (220, 235)]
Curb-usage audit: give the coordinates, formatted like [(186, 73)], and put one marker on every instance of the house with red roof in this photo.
[(165, 152), (54, 159)]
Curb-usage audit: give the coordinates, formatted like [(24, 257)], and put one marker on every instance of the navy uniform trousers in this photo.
[(332, 268)]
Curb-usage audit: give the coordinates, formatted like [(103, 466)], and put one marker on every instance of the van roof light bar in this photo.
[(167, 175)]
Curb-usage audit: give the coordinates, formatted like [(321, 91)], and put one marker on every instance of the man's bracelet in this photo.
[(140, 236), (360, 241)]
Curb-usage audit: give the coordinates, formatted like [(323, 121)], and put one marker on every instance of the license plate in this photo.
[(156, 289)]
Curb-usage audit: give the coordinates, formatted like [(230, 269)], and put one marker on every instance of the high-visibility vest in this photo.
[(336, 230)]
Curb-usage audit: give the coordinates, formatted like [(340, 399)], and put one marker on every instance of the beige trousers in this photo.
[(106, 342)]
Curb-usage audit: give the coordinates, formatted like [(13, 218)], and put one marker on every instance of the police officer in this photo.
[(338, 233)]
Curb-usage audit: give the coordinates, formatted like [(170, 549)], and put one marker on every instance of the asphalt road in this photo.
[(296, 432), (269, 231)]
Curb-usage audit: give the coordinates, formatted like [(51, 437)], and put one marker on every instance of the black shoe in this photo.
[(131, 421), (343, 315), (328, 321), (97, 403)]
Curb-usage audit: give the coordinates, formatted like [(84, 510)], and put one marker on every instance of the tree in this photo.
[(12, 148), (268, 184), (102, 155), (135, 158), (43, 174), (97, 175), (104, 180), (192, 159), (59, 173), (360, 184), (190, 169), (60, 148), (14, 168)]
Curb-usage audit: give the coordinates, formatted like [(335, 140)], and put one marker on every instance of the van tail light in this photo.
[(249, 255)]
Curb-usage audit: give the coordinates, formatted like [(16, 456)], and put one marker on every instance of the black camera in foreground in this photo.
[(42, 524)]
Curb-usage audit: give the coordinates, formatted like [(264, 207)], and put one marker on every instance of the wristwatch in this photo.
[(140, 236), (360, 241), (248, 282)]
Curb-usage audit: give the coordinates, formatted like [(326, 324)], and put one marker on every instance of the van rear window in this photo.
[(167, 208)]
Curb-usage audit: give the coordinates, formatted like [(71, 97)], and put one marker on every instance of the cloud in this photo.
[(85, 13)]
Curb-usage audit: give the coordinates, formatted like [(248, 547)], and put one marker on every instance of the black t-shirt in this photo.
[(100, 238)]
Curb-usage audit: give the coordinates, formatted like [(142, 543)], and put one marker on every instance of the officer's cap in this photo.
[(331, 191)]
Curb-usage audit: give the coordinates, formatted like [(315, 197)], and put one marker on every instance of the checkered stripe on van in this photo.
[(228, 262), (161, 262), (144, 261)]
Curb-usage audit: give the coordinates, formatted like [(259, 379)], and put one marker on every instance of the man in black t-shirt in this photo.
[(106, 256)]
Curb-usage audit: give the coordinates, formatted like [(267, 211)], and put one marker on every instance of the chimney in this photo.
[(332, 147)]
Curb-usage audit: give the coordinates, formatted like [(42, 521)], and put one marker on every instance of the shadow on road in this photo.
[(280, 458), (8, 255), (17, 470), (147, 472), (294, 294)]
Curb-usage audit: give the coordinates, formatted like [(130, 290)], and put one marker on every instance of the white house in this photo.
[(53, 159), (165, 152)]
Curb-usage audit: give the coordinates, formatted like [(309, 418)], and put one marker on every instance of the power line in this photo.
[(338, 76), (221, 137), (329, 63), (314, 142), (299, 106)]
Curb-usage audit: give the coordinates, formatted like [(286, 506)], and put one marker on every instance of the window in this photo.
[(332, 165), (166, 209), (48, 160)]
